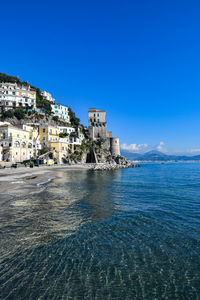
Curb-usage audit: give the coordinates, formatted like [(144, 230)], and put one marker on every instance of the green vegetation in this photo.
[(18, 112), (73, 119), (42, 103), (108, 158), (7, 78), (63, 135), (12, 79), (55, 119), (44, 150), (73, 134), (8, 114)]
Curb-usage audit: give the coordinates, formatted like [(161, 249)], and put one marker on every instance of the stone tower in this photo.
[(97, 123), (114, 146), (97, 129)]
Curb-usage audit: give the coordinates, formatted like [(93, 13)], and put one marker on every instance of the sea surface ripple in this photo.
[(123, 234)]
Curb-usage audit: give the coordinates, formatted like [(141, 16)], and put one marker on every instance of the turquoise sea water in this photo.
[(124, 234)]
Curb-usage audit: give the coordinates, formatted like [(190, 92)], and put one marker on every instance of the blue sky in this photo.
[(138, 60)]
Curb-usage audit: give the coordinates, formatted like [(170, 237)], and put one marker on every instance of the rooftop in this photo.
[(95, 110)]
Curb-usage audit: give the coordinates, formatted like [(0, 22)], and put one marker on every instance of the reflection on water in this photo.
[(72, 199), (125, 234)]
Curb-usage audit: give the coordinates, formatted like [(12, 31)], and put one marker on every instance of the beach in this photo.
[(23, 180)]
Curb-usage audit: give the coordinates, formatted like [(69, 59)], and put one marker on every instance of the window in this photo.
[(63, 148), (50, 131), (94, 115), (98, 120), (43, 137), (44, 130)]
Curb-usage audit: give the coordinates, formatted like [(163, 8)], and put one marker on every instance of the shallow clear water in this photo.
[(124, 234)]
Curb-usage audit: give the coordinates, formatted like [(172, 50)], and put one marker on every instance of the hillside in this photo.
[(158, 156)]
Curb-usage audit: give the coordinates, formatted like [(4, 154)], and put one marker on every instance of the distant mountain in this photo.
[(155, 155)]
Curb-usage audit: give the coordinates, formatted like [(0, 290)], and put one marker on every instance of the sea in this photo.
[(122, 234)]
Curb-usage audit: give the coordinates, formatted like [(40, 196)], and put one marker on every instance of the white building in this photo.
[(16, 95), (61, 111), (48, 96), (64, 129)]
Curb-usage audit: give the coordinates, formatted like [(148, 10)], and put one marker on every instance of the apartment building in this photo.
[(16, 95), (48, 96), (61, 111), (16, 145), (48, 133)]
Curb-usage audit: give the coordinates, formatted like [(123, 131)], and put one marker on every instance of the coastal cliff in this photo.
[(36, 130)]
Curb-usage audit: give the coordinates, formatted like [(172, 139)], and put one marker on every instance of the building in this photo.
[(47, 134), (16, 95), (48, 96), (74, 136), (61, 148), (34, 136), (65, 129), (97, 123), (97, 129), (15, 143), (61, 111)]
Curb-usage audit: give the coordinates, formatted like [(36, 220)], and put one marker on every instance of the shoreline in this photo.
[(24, 180)]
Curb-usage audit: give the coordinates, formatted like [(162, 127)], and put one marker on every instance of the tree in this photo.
[(42, 102), (73, 119), (55, 118), (73, 134), (19, 113), (7, 114), (8, 78), (63, 135)]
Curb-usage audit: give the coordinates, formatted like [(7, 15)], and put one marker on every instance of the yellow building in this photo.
[(16, 143), (48, 133), (61, 148)]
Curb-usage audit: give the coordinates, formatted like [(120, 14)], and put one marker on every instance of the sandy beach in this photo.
[(24, 179)]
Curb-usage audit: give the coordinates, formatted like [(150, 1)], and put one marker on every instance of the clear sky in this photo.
[(138, 60)]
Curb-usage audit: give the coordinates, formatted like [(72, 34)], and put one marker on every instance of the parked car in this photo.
[(14, 166), (50, 162)]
